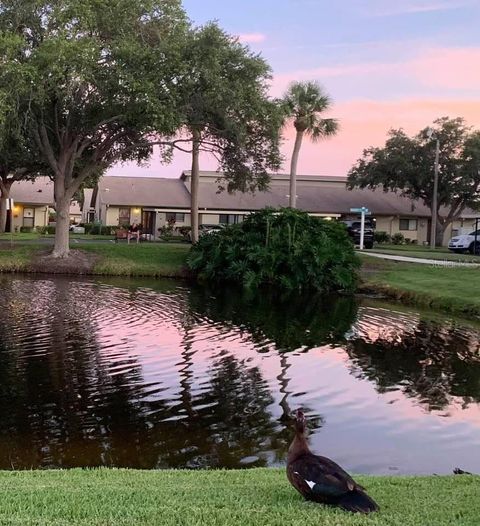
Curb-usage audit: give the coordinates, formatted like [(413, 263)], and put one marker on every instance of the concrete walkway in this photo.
[(421, 261)]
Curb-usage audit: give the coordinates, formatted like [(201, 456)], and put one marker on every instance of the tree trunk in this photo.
[(284, 381), (4, 195), (62, 239), (293, 169), (196, 138), (440, 232), (3, 213)]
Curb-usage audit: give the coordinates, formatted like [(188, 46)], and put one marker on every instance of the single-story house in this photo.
[(154, 201), (32, 202)]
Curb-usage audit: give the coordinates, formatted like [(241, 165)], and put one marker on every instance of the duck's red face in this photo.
[(300, 421)]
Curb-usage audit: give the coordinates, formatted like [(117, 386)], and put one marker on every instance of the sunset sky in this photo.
[(385, 64)]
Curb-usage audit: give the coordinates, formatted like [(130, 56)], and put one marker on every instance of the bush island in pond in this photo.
[(286, 248)]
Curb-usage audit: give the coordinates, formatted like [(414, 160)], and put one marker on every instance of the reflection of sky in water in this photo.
[(388, 390)]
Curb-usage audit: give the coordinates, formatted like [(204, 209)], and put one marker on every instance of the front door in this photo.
[(148, 222)]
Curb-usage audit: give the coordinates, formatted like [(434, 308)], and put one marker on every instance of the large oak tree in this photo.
[(94, 80), (226, 112), (406, 164)]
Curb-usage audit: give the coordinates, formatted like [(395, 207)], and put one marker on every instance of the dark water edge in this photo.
[(156, 374)]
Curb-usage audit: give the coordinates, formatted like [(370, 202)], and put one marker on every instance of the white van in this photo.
[(462, 243)]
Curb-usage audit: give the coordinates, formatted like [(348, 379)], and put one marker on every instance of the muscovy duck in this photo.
[(319, 479)]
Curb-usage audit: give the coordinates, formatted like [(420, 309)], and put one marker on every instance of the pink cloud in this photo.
[(252, 38), (455, 68), (363, 123), (282, 81), (442, 68), (366, 123)]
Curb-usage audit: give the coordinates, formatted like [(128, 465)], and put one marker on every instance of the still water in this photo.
[(156, 374)]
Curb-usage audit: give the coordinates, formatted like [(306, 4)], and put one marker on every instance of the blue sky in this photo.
[(385, 64)]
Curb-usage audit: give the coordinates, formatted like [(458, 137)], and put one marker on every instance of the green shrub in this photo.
[(96, 229), (26, 229), (382, 237), (398, 239), (285, 248), (42, 230), (50, 229), (185, 232), (167, 231)]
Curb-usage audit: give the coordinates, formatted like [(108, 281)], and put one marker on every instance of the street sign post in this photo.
[(363, 211)]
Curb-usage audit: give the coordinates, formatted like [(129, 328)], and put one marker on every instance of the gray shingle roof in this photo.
[(38, 192), (316, 194), (335, 199), (143, 191)]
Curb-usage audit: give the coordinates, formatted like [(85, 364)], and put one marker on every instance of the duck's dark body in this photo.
[(319, 479)]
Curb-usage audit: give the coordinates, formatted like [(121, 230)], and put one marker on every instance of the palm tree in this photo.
[(304, 103)]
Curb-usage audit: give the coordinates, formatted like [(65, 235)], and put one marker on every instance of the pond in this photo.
[(144, 374)]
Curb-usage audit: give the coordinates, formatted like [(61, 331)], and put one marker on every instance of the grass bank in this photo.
[(223, 498), (454, 290), (149, 260)]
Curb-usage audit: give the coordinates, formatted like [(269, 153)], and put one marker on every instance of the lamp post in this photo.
[(433, 230)]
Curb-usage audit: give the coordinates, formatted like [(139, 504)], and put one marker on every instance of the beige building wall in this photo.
[(209, 219), (111, 216), (391, 225), (384, 224), (39, 214), (135, 215), (422, 234)]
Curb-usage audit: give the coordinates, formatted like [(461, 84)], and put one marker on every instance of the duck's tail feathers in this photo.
[(358, 502)]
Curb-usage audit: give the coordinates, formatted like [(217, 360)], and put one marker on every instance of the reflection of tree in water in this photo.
[(225, 421), (291, 321), (430, 362), (59, 403), (68, 399)]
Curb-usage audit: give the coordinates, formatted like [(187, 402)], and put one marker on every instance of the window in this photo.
[(231, 219), (408, 224), (124, 216), (175, 217), (28, 217)]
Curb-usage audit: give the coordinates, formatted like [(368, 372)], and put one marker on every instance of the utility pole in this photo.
[(433, 229)]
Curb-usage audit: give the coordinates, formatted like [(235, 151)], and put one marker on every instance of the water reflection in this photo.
[(141, 374), (434, 363)]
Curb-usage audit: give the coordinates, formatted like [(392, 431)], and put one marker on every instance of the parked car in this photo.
[(75, 229), (354, 228), (208, 229), (465, 242)]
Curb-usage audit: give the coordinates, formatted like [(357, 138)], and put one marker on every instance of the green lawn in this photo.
[(223, 498), (153, 260), (16, 259), (449, 289)]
